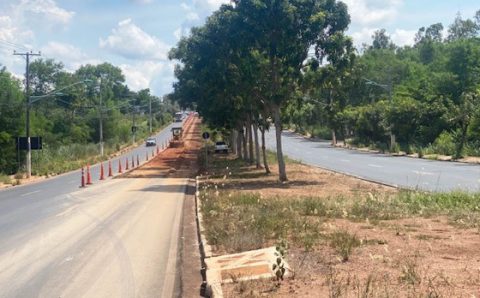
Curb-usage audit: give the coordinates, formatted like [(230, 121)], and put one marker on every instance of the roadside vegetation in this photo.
[(69, 122), (344, 235), (421, 99)]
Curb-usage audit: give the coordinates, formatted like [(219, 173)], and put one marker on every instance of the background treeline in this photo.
[(69, 121), (291, 64), (426, 95)]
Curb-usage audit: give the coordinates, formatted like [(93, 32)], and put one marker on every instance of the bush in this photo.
[(5, 179), (444, 144), (344, 243)]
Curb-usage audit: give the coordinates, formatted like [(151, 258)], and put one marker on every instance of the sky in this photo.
[(136, 35)]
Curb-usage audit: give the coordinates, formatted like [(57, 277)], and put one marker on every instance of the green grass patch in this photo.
[(5, 179)]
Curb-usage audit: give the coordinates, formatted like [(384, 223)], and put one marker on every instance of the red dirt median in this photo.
[(176, 161)]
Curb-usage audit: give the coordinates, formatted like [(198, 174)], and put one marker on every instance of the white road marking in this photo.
[(375, 166), (423, 173), (30, 193)]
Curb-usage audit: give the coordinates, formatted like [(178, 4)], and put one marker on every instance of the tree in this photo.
[(381, 40), (12, 121), (462, 29), (283, 32)]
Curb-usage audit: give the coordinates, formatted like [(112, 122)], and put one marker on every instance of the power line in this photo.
[(13, 45)]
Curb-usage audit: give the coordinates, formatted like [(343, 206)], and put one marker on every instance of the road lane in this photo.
[(115, 239), (405, 172), (68, 182)]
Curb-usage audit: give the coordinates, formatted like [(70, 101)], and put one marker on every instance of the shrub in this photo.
[(444, 144), (5, 179), (344, 243)]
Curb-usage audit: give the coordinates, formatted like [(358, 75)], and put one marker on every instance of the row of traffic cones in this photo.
[(86, 178)]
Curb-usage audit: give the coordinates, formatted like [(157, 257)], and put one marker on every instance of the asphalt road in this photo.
[(115, 239), (57, 240), (403, 172)]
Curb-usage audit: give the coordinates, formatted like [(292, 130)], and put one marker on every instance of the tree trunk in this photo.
[(334, 137), (282, 173), (239, 144), (264, 151), (233, 141), (244, 145), (257, 146), (250, 140)]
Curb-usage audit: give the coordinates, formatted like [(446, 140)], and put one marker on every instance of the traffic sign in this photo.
[(206, 136)]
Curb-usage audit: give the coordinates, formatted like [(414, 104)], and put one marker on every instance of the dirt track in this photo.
[(179, 160)]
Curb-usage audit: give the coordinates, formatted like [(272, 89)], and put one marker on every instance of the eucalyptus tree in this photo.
[(283, 32)]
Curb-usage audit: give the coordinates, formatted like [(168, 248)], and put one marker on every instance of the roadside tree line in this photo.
[(426, 95), (69, 122), (244, 66)]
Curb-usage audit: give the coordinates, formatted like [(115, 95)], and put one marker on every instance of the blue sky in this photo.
[(137, 34)]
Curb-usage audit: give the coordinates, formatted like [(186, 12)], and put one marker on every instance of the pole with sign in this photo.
[(205, 137)]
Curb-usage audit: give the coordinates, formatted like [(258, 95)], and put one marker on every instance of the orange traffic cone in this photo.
[(89, 177), (110, 174), (82, 183), (119, 167), (102, 177), (133, 162)]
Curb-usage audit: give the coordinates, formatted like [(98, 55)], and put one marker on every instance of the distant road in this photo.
[(66, 183), (405, 172)]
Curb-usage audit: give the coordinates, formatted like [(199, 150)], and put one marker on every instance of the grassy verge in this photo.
[(237, 220)]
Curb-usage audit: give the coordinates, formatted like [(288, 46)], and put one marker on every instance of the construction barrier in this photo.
[(82, 183), (101, 172), (89, 177), (110, 172)]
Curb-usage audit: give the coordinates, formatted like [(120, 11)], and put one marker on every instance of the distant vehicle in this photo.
[(221, 147), (180, 116), (151, 142)]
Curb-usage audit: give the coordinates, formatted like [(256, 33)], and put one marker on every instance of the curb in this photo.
[(207, 290)]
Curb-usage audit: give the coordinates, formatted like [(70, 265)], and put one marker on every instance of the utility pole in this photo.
[(134, 128), (100, 114), (150, 112), (393, 140), (27, 96)]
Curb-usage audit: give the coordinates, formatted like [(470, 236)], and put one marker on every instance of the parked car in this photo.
[(221, 147), (151, 142)]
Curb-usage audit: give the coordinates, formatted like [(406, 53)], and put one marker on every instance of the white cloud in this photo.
[(131, 42), (71, 56), (158, 76), (403, 37), (368, 12), (399, 37), (197, 10), (47, 9)]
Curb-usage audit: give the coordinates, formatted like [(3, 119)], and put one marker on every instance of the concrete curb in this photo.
[(208, 290)]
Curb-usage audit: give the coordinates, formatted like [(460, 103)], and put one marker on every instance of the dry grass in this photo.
[(347, 238)]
